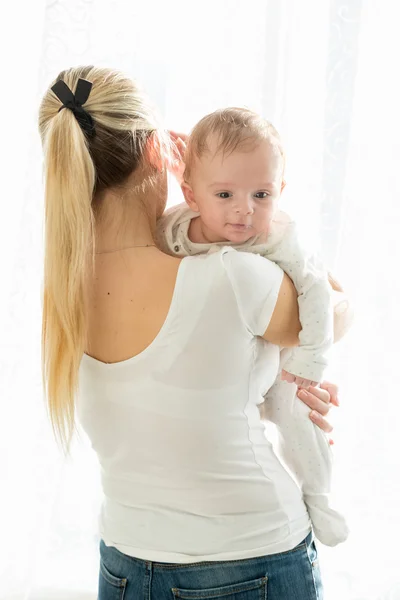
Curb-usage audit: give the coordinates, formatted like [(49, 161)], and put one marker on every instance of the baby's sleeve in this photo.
[(256, 282), (167, 229), (310, 279)]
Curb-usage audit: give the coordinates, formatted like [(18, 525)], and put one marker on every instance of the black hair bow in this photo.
[(75, 102)]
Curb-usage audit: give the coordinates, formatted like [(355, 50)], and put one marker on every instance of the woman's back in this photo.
[(129, 292), (186, 468)]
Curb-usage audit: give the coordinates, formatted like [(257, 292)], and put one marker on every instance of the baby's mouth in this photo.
[(240, 226)]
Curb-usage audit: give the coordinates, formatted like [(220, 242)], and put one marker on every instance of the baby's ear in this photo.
[(189, 196)]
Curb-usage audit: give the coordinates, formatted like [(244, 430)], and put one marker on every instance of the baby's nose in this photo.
[(244, 207)]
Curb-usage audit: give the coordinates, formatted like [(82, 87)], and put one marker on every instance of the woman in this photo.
[(170, 364)]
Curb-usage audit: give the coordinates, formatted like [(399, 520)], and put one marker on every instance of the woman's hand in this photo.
[(320, 399), (343, 314), (177, 166)]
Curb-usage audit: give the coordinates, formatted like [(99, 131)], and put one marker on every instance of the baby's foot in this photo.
[(299, 381), (329, 525)]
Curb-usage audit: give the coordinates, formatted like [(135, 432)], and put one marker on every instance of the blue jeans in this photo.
[(292, 575)]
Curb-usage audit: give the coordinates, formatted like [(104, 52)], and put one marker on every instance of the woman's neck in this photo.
[(123, 224), (126, 217), (112, 238)]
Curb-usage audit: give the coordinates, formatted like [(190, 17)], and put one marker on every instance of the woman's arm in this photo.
[(286, 317), (284, 327)]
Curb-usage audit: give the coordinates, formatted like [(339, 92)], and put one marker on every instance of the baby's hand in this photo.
[(176, 165), (299, 381)]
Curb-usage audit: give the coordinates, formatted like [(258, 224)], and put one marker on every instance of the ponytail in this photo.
[(69, 236)]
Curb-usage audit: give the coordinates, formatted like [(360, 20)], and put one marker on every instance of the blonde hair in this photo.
[(235, 128), (76, 168)]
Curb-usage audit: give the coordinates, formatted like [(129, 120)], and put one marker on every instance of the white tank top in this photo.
[(187, 472)]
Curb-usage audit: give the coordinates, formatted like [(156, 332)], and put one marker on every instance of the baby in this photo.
[(233, 179)]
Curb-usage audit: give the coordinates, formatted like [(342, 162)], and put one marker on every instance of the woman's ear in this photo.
[(189, 196)]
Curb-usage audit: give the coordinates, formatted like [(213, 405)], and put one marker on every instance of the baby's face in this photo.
[(237, 194)]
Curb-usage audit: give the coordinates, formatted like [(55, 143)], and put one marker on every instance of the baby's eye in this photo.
[(261, 195), (224, 195)]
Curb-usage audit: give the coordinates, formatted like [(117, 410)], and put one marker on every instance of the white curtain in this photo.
[(326, 73)]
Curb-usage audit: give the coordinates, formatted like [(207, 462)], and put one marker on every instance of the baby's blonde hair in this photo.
[(236, 128)]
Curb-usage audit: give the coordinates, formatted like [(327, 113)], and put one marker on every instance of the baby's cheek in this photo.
[(264, 225), (215, 221)]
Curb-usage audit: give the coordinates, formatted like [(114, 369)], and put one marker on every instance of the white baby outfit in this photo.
[(302, 445)]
